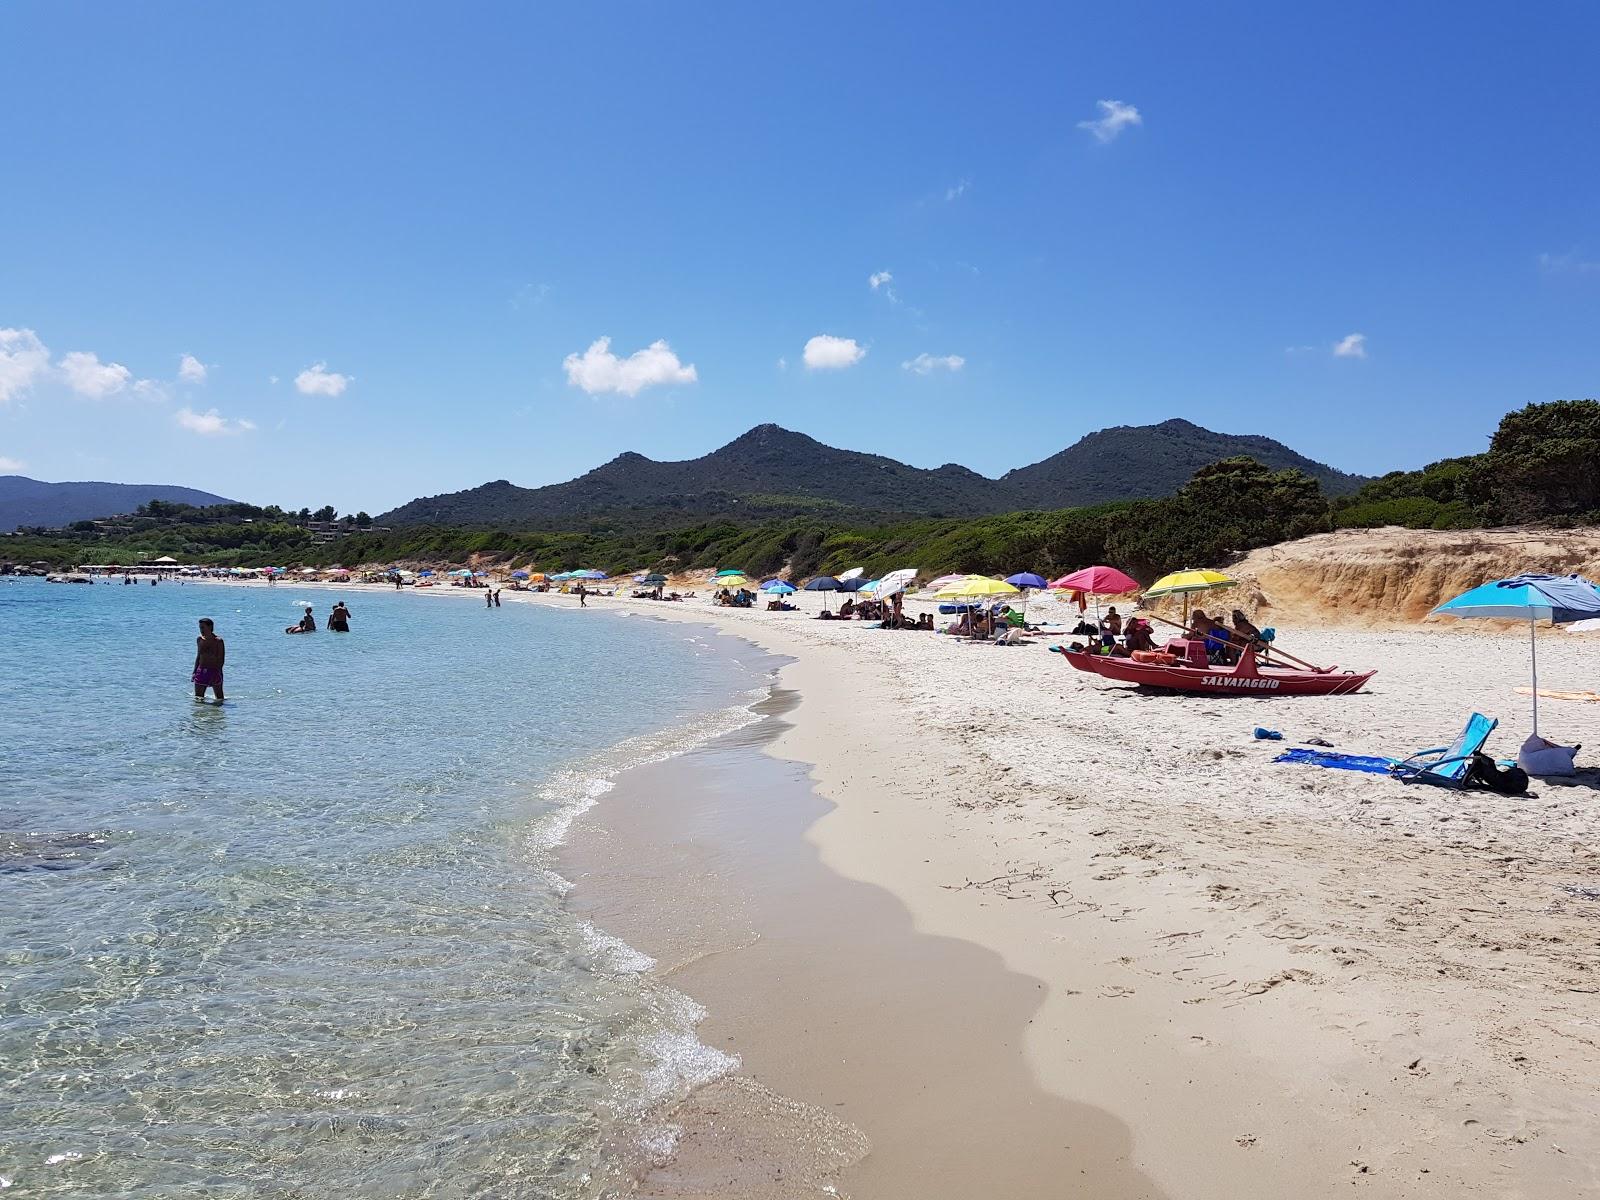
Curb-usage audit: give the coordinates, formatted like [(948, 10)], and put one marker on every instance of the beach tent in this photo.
[(1559, 599)]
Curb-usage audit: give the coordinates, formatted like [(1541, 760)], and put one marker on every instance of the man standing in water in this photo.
[(209, 653)]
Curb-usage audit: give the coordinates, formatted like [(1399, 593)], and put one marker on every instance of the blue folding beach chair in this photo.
[(1448, 765)]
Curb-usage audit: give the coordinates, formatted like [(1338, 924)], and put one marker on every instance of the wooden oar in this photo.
[(1272, 647)]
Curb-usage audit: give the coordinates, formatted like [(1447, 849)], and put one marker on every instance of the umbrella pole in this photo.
[(1533, 653)]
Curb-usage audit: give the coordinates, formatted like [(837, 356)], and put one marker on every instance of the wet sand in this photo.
[(877, 1059)]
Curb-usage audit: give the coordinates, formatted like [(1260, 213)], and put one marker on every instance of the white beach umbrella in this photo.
[(896, 581), (852, 573)]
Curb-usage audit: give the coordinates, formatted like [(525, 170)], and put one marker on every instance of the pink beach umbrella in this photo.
[(1097, 581)]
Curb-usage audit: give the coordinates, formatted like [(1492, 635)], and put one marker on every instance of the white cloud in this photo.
[(317, 380), (191, 369), (783, 364), (598, 370), (88, 376), (23, 359), (1352, 345), (1570, 263), (1115, 116), (210, 423), (12, 464), (927, 364), (828, 353), (883, 281), (957, 190)]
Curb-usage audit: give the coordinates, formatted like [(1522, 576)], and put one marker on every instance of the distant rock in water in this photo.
[(775, 473)]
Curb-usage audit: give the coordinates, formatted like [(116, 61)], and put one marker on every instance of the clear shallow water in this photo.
[(306, 944)]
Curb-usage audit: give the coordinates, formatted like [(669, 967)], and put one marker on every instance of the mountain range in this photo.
[(28, 502), (775, 472)]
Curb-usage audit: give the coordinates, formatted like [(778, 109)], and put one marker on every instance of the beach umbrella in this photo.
[(519, 574), (591, 574), (935, 584), (895, 581), (973, 587), (970, 587), (853, 585), (778, 587), (425, 574), (870, 587), (1185, 583), (1097, 581), (1027, 579), (654, 580), (854, 573), (729, 573), (1559, 599), (822, 583)]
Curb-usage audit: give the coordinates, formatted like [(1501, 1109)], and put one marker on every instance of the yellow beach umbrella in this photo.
[(973, 586), (1184, 583)]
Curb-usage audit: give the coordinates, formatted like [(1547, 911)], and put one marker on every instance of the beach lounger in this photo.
[(1448, 765)]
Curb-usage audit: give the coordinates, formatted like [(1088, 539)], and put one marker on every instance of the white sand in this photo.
[(1286, 981)]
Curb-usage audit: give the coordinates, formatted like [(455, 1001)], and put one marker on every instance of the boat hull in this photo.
[(1246, 678)]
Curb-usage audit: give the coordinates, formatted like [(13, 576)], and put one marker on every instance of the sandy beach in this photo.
[(1247, 978), (1282, 980)]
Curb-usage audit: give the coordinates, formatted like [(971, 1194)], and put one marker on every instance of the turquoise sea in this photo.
[(307, 944)]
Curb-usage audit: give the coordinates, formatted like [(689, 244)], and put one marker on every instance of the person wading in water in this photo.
[(209, 653)]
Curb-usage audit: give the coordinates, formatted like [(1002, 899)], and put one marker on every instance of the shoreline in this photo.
[(1282, 980)]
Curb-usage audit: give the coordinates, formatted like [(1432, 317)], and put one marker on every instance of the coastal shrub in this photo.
[(1543, 463)]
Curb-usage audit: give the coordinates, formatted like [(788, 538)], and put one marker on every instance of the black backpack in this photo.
[(1508, 781)]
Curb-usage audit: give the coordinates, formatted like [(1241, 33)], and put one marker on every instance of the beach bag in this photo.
[(1507, 781), (1539, 756)]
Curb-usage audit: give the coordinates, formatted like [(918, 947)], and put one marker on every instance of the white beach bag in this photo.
[(1541, 757)]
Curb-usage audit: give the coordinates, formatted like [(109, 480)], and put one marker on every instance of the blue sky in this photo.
[(428, 215)]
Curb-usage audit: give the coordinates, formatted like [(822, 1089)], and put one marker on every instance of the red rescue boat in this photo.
[(1247, 677)]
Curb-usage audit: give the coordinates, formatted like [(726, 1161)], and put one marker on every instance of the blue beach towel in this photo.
[(1369, 763)]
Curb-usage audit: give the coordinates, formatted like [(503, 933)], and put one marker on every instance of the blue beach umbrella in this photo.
[(778, 587), (1559, 599), (852, 585), (519, 574), (823, 583), (591, 574), (424, 574), (1027, 579)]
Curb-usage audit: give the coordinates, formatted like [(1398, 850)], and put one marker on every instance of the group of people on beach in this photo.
[(1223, 644)]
